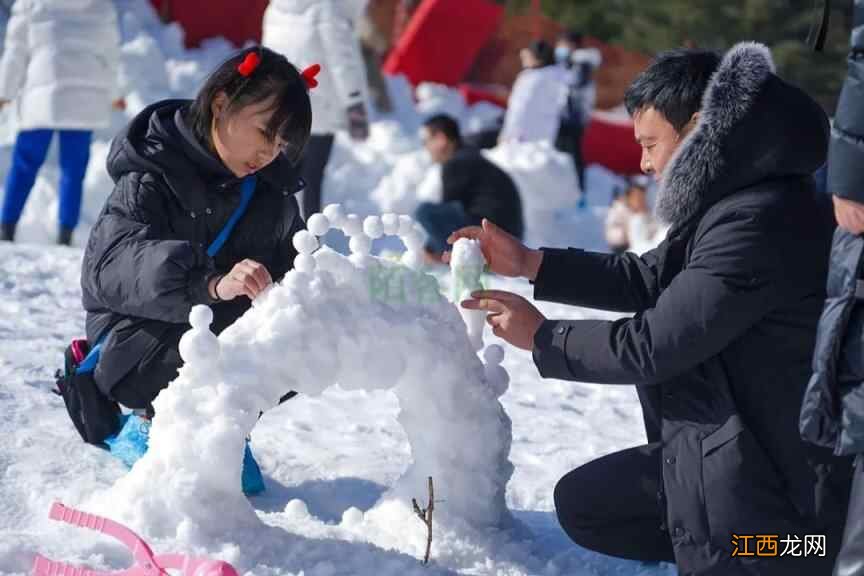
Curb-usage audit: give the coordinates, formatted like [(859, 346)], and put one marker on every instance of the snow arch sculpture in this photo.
[(362, 322)]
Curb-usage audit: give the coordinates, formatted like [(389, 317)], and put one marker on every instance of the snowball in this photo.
[(305, 242), (352, 516), (390, 224), (305, 263), (296, 510), (318, 224), (200, 317), (372, 227), (335, 215), (406, 224), (352, 225), (413, 260), (413, 241), (497, 379), (360, 244), (494, 355)]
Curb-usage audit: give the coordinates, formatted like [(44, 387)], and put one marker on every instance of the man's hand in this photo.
[(119, 104), (3, 102), (849, 214), (512, 318), (505, 254), (247, 278)]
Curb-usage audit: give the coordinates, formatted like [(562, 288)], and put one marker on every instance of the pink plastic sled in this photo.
[(146, 564)]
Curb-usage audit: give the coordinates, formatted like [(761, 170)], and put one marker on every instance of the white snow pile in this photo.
[(365, 324)]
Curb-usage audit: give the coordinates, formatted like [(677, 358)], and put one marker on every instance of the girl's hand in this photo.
[(247, 278)]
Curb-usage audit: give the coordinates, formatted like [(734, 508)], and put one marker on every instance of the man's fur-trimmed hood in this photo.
[(752, 127)]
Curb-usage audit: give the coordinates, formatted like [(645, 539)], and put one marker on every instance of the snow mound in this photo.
[(363, 323)]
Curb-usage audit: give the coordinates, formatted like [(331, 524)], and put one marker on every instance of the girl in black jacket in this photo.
[(180, 169)]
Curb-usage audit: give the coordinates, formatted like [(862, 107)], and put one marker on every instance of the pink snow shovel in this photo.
[(146, 564)]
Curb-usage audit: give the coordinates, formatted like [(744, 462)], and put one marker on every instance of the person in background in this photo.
[(615, 227), (322, 31), (60, 70), (580, 62), (374, 44), (629, 223), (538, 95), (832, 414), (473, 188)]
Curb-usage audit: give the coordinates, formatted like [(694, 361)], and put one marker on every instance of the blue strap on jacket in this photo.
[(247, 190)]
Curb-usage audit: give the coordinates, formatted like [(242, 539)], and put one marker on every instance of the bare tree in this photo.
[(425, 514)]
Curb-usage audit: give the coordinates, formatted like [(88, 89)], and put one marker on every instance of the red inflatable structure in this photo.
[(609, 141), (237, 20), (443, 39)]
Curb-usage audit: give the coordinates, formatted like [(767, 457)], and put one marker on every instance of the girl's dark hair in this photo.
[(274, 76)]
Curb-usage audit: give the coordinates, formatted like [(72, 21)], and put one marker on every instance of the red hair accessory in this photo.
[(309, 75), (249, 64)]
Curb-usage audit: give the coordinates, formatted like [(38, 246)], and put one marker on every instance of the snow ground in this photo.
[(328, 459)]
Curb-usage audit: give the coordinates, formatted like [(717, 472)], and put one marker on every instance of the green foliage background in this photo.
[(651, 26)]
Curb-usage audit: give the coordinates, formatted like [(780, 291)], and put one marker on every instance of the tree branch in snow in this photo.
[(425, 514)]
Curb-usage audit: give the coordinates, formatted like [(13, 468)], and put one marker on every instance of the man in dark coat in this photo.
[(721, 340), (833, 411), (473, 188), (168, 185)]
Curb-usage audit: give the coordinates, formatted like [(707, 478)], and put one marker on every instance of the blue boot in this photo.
[(130, 443), (251, 479)]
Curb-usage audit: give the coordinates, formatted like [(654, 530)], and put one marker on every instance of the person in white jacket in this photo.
[(322, 32), (60, 70), (537, 98)]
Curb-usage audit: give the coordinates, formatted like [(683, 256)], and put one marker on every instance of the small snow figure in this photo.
[(496, 376), (466, 267), (199, 346), (318, 224)]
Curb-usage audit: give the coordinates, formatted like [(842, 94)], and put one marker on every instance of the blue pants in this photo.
[(441, 220), (31, 147)]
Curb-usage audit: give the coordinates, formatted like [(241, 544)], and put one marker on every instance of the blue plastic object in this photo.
[(132, 441), (251, 479)]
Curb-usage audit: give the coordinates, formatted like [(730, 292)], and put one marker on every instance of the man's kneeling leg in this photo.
[(615, 505)]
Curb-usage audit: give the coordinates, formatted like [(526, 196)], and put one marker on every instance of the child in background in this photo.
[(60, 67), (629, 223)]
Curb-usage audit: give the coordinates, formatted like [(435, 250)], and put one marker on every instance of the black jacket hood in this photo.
[(753, 127)]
